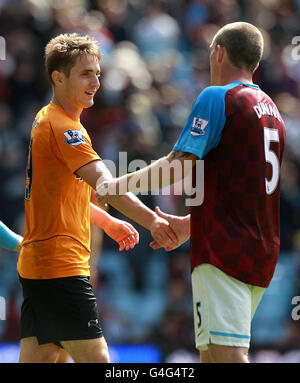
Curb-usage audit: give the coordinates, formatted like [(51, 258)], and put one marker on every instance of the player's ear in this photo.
[(220, 52), (57, 78)]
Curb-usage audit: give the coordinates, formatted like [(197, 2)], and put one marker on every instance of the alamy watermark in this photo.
[(296, 310), (189, 178), (2, 308), (2, 48), (295, 51)]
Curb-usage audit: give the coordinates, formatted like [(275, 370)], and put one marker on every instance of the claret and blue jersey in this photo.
[(209, 110), (238, 131)]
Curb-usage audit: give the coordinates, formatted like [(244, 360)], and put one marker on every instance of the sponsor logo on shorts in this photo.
[(93, 322)]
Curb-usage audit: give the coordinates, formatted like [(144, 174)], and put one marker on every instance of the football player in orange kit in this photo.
[(121, 231), (59, 308)]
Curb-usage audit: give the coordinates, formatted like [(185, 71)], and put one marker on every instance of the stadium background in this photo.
[(154, 63)]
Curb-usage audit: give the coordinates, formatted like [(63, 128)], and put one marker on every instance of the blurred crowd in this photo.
[(155, 61)]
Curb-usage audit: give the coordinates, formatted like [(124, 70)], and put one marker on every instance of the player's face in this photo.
[(83, 81)]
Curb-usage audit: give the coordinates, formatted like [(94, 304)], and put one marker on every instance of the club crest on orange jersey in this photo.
[(74, 137), (36, 123)]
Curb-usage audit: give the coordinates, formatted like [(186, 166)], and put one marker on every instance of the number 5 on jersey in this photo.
[(271, 135)]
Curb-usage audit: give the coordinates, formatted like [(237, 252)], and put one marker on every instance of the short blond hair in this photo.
[(62, 51), (243, 42)]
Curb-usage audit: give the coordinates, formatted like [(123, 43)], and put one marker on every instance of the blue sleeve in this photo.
[(8, 239), (203, 128)]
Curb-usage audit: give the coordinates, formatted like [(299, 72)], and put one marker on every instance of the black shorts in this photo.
[(59, 309)]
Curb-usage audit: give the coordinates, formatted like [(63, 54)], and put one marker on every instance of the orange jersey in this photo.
[(57, 202)]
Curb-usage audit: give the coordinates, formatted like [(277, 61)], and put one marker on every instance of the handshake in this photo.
[(178, 226), (168, 231)]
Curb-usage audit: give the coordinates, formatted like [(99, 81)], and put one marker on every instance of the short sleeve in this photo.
[(74, 145), (204, 126)]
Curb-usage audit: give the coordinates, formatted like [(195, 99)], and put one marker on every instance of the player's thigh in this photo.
[(205, 357), (224, 354), (63, 357), (87, 350), (32, 352), (227, 354)]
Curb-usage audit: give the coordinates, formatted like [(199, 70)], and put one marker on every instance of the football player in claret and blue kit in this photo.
[(235, 233)]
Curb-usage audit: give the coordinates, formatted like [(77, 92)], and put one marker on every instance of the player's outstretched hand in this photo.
[(123, 233), (179, 225)]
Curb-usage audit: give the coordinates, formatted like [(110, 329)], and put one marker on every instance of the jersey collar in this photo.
[(246, 84)]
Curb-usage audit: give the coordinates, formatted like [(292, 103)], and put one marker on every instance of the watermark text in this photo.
[(166, 178)]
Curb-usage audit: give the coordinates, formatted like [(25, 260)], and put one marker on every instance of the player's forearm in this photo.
[(158, 175), (8, 239), (133, 208), (129, 204), (99, 217)]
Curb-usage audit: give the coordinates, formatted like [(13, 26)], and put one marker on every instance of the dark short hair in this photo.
[(243, 42), (62, 51)]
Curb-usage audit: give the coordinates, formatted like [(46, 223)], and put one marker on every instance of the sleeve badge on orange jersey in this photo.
[(74, 137)]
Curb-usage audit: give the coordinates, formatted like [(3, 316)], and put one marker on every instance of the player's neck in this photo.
[(229, 75), (67, 106)]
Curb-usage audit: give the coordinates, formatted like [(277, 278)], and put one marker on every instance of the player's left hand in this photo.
[(123, 233)]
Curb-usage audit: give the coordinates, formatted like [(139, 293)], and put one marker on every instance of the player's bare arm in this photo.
[(130, 205), (176, 165), (120, 231)]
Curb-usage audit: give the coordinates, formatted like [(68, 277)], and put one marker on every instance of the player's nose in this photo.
[(95, 82)]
